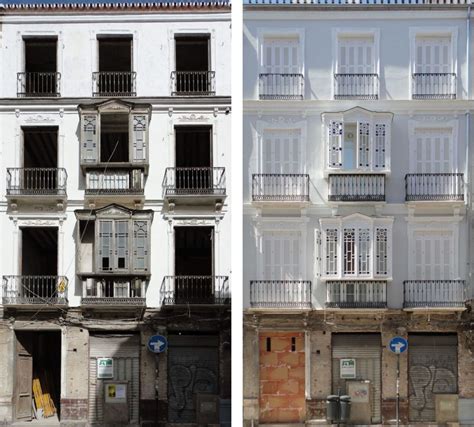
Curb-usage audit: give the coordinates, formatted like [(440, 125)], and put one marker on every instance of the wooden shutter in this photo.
[(434, 150), (282, 151), (89, 139), (363, 142), (141, 245), (121, 245), (105, 260), (336, 131), (24, 382), (380, 146), (433, 55), (281, 55), (317, 253), (433, 255), (139, 138), (282, 255), (356, 55)]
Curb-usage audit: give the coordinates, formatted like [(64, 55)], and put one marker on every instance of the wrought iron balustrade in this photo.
[(194, 181), (36, 181), (38, 84), (280, 187), (281, 86), (434, 186), (193, 83), (47, 290), (195, 290), (114, 83), (356, 188), (434, 293), (280, 294), (356, 294), (356, 86), (434, 86), (115, 181)]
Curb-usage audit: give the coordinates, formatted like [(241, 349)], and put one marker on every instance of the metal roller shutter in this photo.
[(432, 369), (366, 349), (125, 350)]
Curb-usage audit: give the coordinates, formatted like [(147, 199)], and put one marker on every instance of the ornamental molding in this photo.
[(434, 118), (193, 118), (39, 118), (37, 222)]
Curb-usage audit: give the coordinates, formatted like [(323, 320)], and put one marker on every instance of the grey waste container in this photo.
[(332, 407), (345, 408)]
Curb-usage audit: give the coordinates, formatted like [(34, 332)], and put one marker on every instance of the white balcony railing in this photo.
[(357, 187), (272, 187), (356, 294), (434, 186), (23, 290), (120, 181), (434, 293), (280, 294), (110, 292)]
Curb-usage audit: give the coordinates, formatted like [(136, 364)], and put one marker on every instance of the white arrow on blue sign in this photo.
[(398, 345), (157, 344)]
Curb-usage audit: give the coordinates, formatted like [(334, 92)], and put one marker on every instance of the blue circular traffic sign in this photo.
[(157, 344), (398, 345)]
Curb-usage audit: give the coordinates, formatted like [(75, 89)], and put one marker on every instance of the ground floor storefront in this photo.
[(100, 372), (293, 362)]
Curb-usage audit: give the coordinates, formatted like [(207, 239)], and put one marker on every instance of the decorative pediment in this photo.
[(114, 211), (355, 113), (115, 106)]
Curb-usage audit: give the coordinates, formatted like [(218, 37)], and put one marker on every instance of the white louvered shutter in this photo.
[(281, 55), (433, 255), (356, 55), (363, 142), (434, 150), (121, 245), (335, 134), (89, 139), (140, 245), (382, 255), (105, 260), (331, 261), (433, 55), (282, 255), (139, 138), (282, 151), (317, 253), (380, 146), (364, 252)]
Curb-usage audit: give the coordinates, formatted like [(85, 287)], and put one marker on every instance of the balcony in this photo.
[(364, 294), (434, 187), (38, 84), (271, 187), (356, 86), (34, 290), (113, 293), (195, 290), (430, 294), (434, 86), (280, 294), (114, 83), (193, 83), (36, 182), (356, 188), (281, 86)]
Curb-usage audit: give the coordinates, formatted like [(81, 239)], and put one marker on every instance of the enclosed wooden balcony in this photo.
[(281, 86), (357, 294), (195, 290), (448, 187), (434, 294), (356, 188), (273, 294), (356, 86)]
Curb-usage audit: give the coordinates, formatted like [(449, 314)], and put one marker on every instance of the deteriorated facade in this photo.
[(115, 170), (357, 212)]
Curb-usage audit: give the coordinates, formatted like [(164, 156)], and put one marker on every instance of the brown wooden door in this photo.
[(24, 380)]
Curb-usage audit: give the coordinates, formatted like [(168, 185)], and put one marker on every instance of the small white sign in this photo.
[(105, 367), (347, 368)]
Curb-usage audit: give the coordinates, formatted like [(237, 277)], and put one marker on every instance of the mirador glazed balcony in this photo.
[(113, 292), (281, 86), (196, 290), (356, 86), (280, 294), (426, 294), (36, 182), (356, 188), (356, 294), (434, 186), (193, 83), (34, 290), (272, 187), (434, 86), (114, 83), (38, 84)]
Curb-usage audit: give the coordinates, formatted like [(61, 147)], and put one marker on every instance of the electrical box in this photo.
[(116, 402), (207, 408)]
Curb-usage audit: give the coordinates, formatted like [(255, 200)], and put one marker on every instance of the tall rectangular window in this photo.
[(356, 55), (349, 251), (331, 252), (282, 255), (364, 251), (281, 55), (381, 251)]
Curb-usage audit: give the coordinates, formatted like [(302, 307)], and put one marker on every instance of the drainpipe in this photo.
[(468, 143)]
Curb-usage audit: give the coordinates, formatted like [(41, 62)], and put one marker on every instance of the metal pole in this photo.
[(156, 386), (398, 388)]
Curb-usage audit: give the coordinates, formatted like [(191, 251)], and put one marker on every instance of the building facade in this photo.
[(115, 170), (357, 225)]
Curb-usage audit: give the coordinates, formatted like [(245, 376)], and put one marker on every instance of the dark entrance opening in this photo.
[(194, 265), (40, 77), (114, 138), (38, 366), (194, 159)]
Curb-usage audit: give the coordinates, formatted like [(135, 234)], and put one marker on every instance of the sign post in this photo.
[(398, 345), (157, 344)]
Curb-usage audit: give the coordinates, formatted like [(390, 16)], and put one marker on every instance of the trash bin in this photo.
[(332, 407), (345, 408)]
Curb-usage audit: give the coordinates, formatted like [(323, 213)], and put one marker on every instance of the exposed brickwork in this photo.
[(316, 409), (74, 409), (282, 378), (465, 365)]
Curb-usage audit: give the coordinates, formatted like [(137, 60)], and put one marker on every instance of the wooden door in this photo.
[(24, 380)]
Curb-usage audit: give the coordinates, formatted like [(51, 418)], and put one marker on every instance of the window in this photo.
[(113, 245), (364, 245), (281, 55), (433, 150), (282, 151), (433, 54), (433, 252), (282, 255), (356, 55)]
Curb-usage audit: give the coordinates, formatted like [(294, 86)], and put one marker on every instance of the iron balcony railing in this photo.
[(434, 186), (356, 294), (275, 187), (434, 86), (356, 188), (38, 84), (434, 293), (281, 86), (194, 181), (114, 83), (356, 86), (177, 290), (47, 290), (280, 294), (193, 83), (115, 181), (97, 292), (36, 181)]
